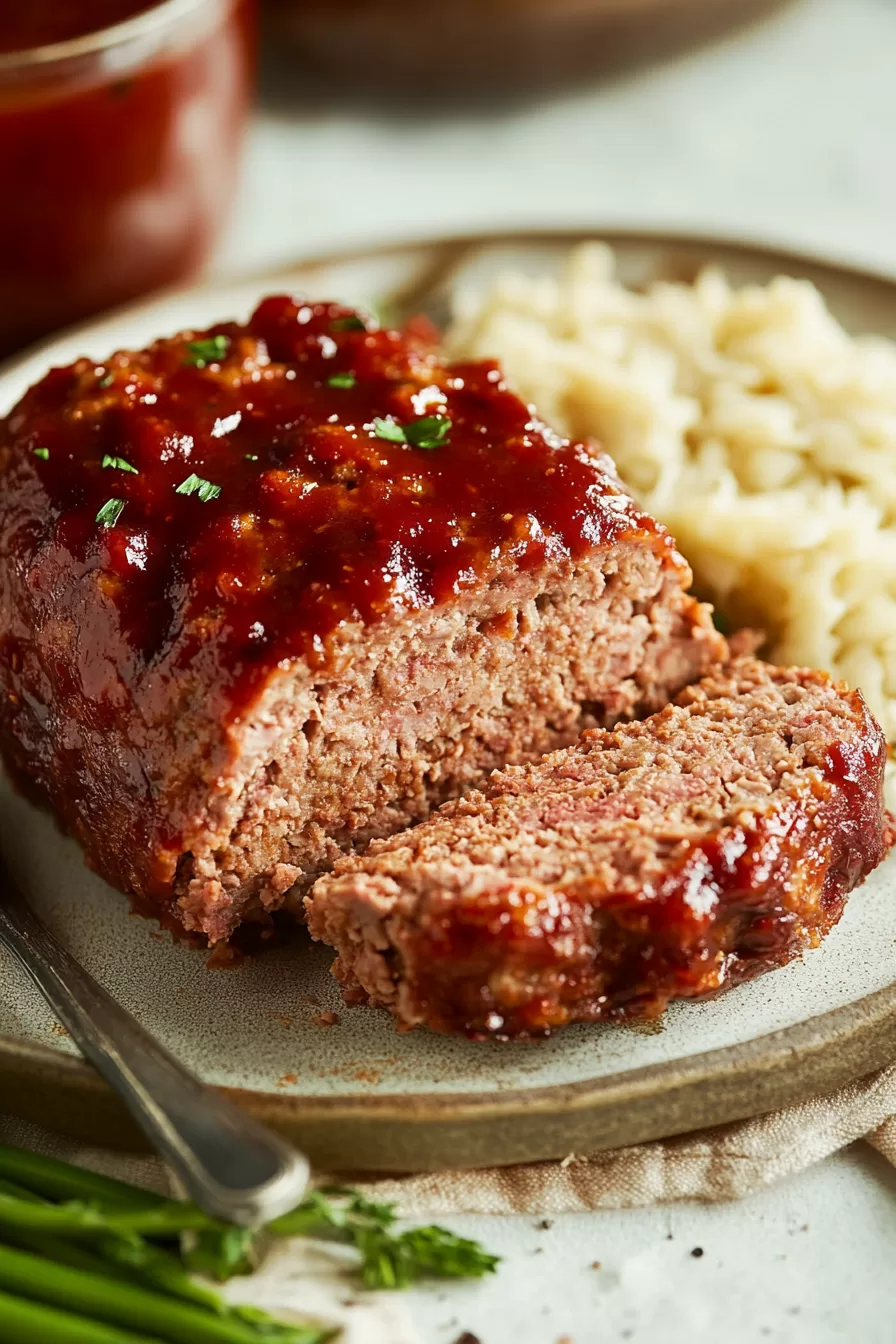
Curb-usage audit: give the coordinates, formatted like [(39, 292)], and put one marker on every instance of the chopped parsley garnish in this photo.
[(342, 380), (352, 323), (197, 485), (208, 351), (251, 457), (429, 432), (108, 380), (388, 429), (389, 1259), (110, 513), (119, 463), (42, 453)]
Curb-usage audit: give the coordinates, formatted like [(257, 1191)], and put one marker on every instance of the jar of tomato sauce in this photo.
[(120, 125)]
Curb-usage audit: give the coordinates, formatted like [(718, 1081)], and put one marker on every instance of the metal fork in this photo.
[(227, 1163)]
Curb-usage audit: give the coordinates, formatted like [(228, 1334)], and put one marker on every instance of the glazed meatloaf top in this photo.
[(178, 525), (665, 858)]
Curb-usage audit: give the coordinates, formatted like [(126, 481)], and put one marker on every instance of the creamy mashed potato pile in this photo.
[(757, 429)]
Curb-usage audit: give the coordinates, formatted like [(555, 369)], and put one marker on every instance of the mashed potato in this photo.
[(748, 421)]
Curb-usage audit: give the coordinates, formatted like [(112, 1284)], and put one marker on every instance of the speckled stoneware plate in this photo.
[(356, 1094)]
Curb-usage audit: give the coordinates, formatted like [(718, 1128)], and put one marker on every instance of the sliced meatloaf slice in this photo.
[(271, 590), (663, 859)]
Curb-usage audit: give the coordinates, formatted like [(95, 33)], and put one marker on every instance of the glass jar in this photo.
[(118, 152)]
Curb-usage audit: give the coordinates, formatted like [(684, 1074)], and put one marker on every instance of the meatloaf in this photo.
[(658, 860), (268, 591)]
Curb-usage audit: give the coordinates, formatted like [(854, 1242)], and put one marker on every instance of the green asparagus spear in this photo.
[(19, 1192), (87, 1221), (123, 1305), (63, 1253), (30, 1323), (220, 1251), (59, 1180), (125, 1258), (140, 1262), (113, 1219)]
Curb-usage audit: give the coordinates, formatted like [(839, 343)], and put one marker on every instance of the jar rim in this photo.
[(147, 24)]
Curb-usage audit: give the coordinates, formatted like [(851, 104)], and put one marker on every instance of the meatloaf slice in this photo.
[(663, 859), (270, 590)]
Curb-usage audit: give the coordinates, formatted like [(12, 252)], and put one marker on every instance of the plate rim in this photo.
[(771, 250), (419, 1131), (409, 1132)]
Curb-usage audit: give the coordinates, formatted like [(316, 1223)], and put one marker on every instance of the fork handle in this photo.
[(227, 1163)]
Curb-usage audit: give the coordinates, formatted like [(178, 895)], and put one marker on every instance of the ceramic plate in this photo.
[(356, 1094)]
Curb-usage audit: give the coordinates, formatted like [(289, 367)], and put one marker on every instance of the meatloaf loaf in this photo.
[(270, 590), (659, 860)]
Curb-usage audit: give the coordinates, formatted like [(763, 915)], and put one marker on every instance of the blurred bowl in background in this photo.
[(118, 150), (443, 46)]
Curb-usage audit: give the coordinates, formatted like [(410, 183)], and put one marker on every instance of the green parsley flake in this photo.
[(388, 429), (110, 513), (208, 351), (251, 457), (342, 380), (119, 464), (42, 453), (352, 323), (197, 485), (108, 380), (429, 432)]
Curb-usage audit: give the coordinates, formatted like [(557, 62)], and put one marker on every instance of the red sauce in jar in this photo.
[(117, 163), (247, 491)]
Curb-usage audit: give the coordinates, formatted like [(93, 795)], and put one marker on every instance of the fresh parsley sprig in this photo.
[(208, 351), (390, 430), (110, 513), (389, 1259), (198, 485), (119, 463), (350, 323), (430, 431)]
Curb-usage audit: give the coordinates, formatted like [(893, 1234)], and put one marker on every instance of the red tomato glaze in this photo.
[(302, 515)]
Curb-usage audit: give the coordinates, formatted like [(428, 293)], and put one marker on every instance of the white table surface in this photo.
[(786, 133), (808, 1262)]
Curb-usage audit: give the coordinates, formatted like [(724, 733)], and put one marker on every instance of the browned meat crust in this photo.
[(273, 590), (663, 859)]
